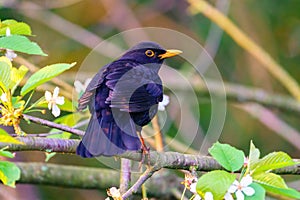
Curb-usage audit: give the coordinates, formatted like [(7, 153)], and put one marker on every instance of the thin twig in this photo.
[(125, 175), (245, 42), (53, 125), (142, 179)]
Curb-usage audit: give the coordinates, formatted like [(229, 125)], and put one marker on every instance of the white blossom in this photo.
[(4, 97), (10, 54), (53, 101), (242, 188), (114, 193), (79, 87), (164, 103)]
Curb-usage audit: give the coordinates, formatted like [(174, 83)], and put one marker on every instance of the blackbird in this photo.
[(122, 98)]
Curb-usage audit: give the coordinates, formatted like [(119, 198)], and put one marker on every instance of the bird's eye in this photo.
[(149, 53)]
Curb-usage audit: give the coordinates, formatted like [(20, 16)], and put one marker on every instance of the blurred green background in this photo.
[(67, 30)]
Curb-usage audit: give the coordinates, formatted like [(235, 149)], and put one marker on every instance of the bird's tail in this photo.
[(105, 137)]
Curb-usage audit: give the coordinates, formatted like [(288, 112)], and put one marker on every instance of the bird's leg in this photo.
[(144, 148)]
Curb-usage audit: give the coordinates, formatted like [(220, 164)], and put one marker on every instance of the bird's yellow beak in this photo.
[(169, 53)]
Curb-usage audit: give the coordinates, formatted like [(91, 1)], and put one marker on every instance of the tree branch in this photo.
[(171, 160), (53, 125), (90, 177)]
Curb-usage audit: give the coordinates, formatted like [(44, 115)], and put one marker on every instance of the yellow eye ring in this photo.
[(149, 53)]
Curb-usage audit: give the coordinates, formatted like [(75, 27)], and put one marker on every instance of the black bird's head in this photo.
[(149, 53)]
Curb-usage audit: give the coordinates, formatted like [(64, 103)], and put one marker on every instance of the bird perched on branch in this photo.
[(122, 98)]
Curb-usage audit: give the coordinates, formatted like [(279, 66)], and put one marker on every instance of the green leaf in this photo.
[(6, 138), (5, 70), (17, 76), (273, 161), (43, 75), (217, 182), (270, 179), (275, 184), (18, 28), (49, 156), (6, 154), (287, 192), (9, 173), (260, 192), (21, 44), (229, 157), (253, 155)]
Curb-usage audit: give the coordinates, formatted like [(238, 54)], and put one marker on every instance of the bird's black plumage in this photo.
[(122, 97)]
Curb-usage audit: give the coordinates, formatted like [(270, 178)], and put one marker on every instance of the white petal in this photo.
[(79, 87), (161, 107), (55, 110), (166, 100), (197, 197), (107, 198), (193, 188), (4, 97), (55, 92), (232, 189), (10, 54), (8, 31), (208, 196), (249, 191), (87, 82), (49, 105), (228, 196), (60, 100), (48, 96), (247, 180), (239, 195)]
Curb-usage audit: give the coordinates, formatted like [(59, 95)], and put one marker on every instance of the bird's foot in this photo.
[(145, 152)]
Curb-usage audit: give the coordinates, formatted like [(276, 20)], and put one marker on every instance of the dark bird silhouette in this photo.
[(122, 98)]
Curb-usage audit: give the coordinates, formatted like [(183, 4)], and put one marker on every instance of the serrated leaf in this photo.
[(260, 192), (254, 154), (6, 138), (5, 70), (217, 182), (18, 28), (287, 192), (229, 157), (17, 76), (9, 173), (269, 179), (21, 44), (43, 75), (273, 161)]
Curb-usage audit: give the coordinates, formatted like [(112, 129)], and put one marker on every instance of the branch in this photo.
[(170, 160), (90, 177), (142, 179), (53, 125)]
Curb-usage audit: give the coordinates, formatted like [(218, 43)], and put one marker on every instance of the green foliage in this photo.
[(9, 173), (6, 138), (208, 183), (43, 75), (260, 192), (217, 182), (229, 157), (49, 156), (5, 70), (272, 161), (18, 28), (21, 44)]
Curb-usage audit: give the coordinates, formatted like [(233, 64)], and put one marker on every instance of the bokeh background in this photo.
[(68, 30)]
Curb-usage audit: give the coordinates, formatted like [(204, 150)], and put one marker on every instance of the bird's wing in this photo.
[(90, 90), (134, 88)]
